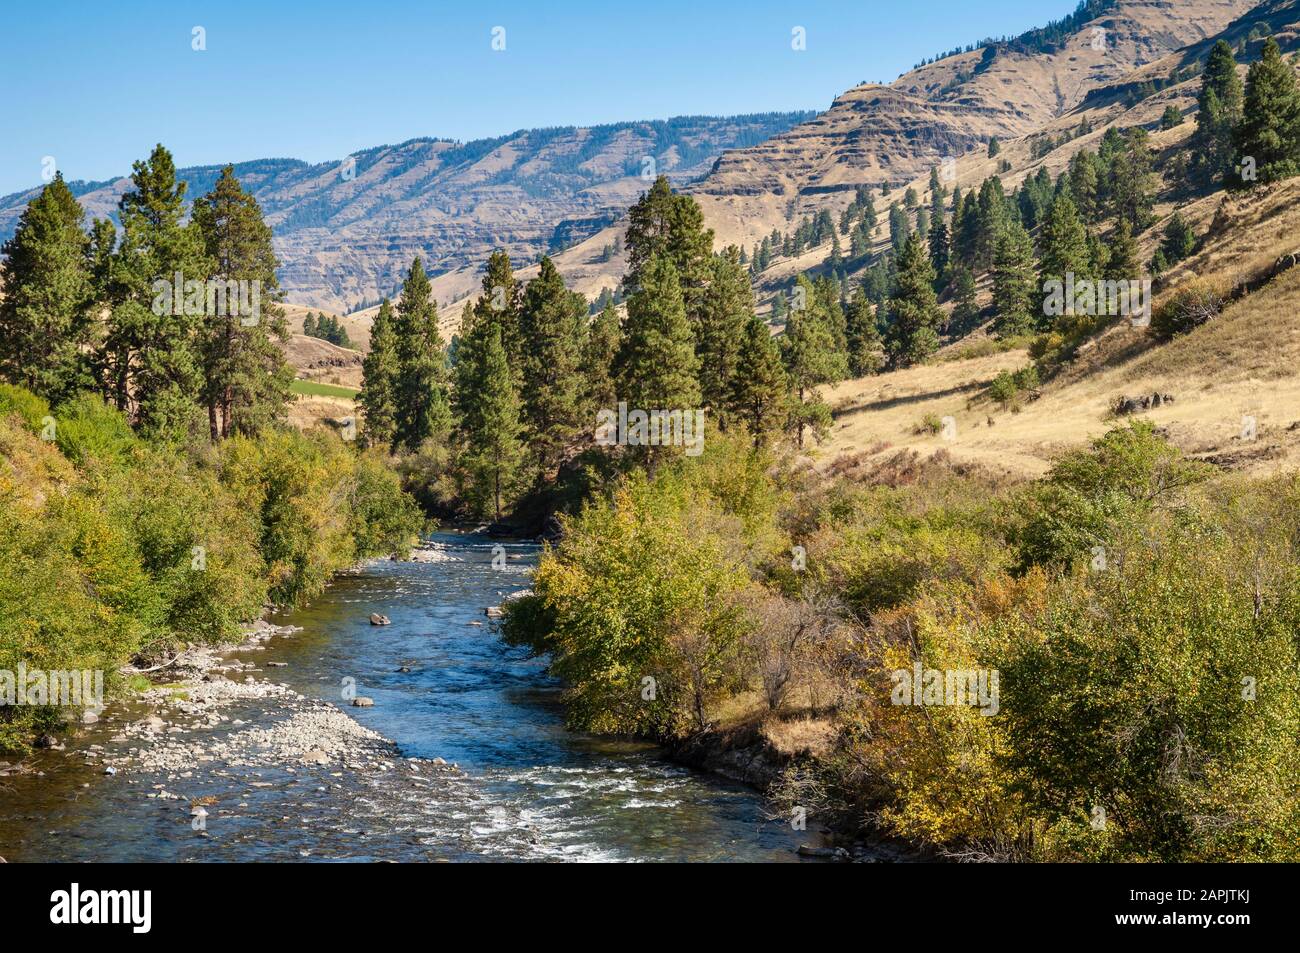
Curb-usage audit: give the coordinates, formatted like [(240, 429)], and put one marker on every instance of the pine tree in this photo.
[(1221, 102), (499, 305), (48, 289), (940, 251), (601, 389), (662, 223), (1014, 299), (869, 217), (490, 424), (1085, 183), (245, 376), (990, 219), (379, 373), (657, 369), (553, 325), (1122, 261), (1132, 182), (148, 360), (423, 410), (1179, 240), (727, 306), (1065, 244), (995, 148), (1269, 133), (914, 311), (965, 309), (759, 392), (899, 227), (811, 357), (865, 349)]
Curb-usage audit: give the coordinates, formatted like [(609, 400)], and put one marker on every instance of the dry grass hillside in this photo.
[(1241, 365)]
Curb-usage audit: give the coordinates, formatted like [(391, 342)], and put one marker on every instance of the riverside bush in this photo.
[(111, 546)]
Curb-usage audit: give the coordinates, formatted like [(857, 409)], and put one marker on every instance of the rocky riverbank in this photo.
[(188, 722)]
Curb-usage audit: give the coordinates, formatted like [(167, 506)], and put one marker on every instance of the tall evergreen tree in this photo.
[(1269, 132), (47, 293), (811, 358), (727, 306), (759, 393), (423, 408), (1221, 102), (148, 360), (1122, 261), (865, 349), (490, 425), (553, 326), (1132, 182), (664, 223), (914, 311), (1065, 244), (379, 376), (657, 369), (499, 305), (600, 391), (899, 227), (1015, 303), (245, 376)]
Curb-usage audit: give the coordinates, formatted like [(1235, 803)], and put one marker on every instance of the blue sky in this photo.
[(96, 84)]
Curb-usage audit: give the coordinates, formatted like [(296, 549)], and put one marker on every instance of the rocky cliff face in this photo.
[(345, 231), (873, 135)]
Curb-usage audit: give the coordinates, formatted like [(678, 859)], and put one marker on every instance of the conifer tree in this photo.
[(1132, 183), (811, 358), (727, 306), (1085, 183), (866, 351), (657, 369), (1221, 102), (600, 391), (914, 311), (1065, 244), (423, 408), (965, 306), (1179, 241), (1269, 132), (490, 426), (1014, 299), (148, 360), (309, 324), (759, 393), (665, 223), (899, 227), (553, 326), (379, 374), (47, 293), (1122, 260), (499, 305), (245, 376)]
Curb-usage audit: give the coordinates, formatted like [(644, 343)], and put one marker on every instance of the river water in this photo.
[(527, 789)]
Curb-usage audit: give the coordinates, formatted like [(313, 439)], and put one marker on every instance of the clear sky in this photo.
[(95, 84)]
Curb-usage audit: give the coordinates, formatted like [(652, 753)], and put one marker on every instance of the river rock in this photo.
[(377, 619), (316, 756), (361, 701), (493, 612)]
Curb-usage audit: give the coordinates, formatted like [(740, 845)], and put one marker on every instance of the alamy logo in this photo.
[(1084, 296), (62, 688), (654, 428), (975, 687), (241, 299), (134, 907)]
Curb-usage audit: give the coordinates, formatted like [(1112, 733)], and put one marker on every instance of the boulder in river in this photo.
[(361, 701), (377, 619), (493, 612)]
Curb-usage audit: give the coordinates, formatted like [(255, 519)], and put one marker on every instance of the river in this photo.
[(527, 789)]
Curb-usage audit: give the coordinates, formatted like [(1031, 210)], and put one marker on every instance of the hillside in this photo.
[(892, 135), (344, 231), (1239, 367)]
